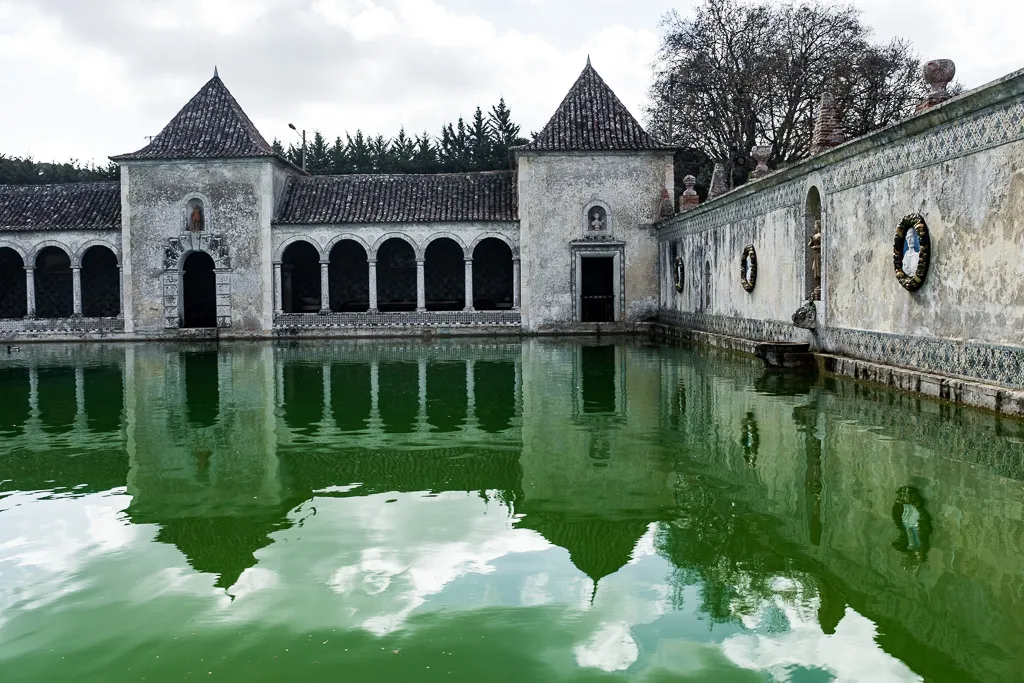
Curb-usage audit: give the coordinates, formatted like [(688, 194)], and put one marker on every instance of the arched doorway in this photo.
[(444, 276), (348, 278), (101, 283), (396, 276), (13, 297), (812, 245), (492, 275), (53, 284), (300, 278), (199, 291)]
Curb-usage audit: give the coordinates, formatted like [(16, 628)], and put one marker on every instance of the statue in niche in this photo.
[(815, 247), (911, 252), (914, 525), (597, 219), (196, 219)]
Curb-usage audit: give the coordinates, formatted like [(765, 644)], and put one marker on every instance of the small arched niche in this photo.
[(596, 220), (195, 215), (812, 245)]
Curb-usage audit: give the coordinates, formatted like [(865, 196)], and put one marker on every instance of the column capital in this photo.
[(276, 263), (468, 259), (420, 261), (325, 262), (29, 268)]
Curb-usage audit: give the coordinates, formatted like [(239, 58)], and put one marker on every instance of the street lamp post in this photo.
[(292, 126)]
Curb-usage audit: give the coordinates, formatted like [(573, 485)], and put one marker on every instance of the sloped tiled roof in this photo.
[(210, 126), (68, 206), (412, 198), (592, 118)]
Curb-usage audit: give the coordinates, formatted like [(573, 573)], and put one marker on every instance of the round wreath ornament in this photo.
[(748, 268), (679, 273), (911, 252)]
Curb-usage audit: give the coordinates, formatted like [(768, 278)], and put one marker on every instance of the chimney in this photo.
[(828, 131)]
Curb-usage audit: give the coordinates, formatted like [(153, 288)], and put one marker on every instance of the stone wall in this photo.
[(960, 166), (556, 193), (238, 199)]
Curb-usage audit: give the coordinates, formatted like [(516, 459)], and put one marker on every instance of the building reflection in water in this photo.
[(591, 446)]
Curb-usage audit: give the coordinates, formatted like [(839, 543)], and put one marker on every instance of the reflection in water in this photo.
[(58, 402), (303, 397), (446, 396), (15, 388), (494, 391), (436, 506), (202, 393), (399, 396), (351, 396), (104, 398)]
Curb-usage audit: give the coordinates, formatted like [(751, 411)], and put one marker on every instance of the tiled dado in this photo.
[(397, 319), (990, 363)]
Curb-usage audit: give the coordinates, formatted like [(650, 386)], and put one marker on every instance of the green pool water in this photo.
[(527, 511)]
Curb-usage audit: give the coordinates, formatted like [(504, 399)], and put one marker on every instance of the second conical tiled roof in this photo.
[(210, 126), (592, 117)]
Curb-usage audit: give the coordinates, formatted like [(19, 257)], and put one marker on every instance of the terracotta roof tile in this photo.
[(210, 126), (592, 118), (412, 198), (69, 206)]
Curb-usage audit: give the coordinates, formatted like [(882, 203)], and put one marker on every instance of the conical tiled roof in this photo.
[(210, 126), (592, 118)]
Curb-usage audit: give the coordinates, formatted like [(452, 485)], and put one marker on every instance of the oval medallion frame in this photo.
[(911, 281), (748, 281), (679, 273)]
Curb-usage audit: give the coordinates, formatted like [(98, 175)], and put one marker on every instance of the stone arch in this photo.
[(812, 244), (444, 274), (498, 236), (13, 287), (300, 277), (33, 253), (348, 275), (446, 235), (188, 202), (347, 236), (493, 274), (283, 247), (588, 218), (53, 280), (396, 258), (396, 235), (76, 258), (17, 248), (100, 281)]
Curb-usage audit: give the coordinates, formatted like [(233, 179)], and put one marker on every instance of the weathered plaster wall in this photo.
[(555, 192), (235, 198), (960, 166)]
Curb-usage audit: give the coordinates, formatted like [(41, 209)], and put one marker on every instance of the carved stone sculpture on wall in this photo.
[(196, 222), (911, 253), (748, 268), (679, 273), (815, 246)]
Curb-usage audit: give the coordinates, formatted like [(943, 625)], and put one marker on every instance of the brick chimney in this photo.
[(828, 131)]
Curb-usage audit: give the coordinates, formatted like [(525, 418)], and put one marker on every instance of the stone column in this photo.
[(76, 290), (325, 287), (469, 285), (515, 284), (120, 291), (373, 285), (421, 286), (30, 291), (278, 284)]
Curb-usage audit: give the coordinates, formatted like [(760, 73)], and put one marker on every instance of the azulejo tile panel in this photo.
[(312, 321)]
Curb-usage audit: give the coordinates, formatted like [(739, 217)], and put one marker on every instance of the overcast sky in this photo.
[(91, 78)]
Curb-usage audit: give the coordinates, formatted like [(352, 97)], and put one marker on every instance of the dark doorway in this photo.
[(444, 276), (13, 297), (492, 275), (101, 284), (300, 278), (597, 291), (54, 296), (348, 278), (396, 276), (199, 291)]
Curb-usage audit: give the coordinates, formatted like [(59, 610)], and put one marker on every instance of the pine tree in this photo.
[(479, 142)]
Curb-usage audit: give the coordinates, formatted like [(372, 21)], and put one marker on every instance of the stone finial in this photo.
[(937, 74), (718, 185), (665, 209), (828, 131), (761, 154), (689, 199)]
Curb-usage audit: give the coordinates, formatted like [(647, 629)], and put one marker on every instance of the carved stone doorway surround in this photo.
[(175, 251)]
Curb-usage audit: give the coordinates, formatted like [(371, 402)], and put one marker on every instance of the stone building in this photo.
[(209, 233)]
